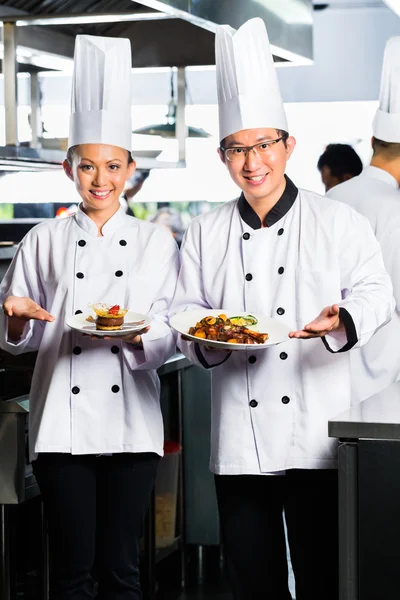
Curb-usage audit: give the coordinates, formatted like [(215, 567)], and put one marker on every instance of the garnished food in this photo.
[(222, 329), (109, 318)]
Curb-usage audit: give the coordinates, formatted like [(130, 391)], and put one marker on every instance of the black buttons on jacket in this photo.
[(280, 231), (81, 243), (114, 349), (252, 359), (80, 275), (77, 350), (283, 356), (285, 400), (280, 311), (78, 312), (118, 273), (253, 403), (246, 236), (249, 277), (75, 390), (281, 270), (122, 242), (115, 389)]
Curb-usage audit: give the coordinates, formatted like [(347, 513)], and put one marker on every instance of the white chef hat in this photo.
[(247, 84), (386, 125), (101, 92)]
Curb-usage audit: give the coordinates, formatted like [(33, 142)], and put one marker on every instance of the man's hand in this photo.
[(326, 322), (25, 309)]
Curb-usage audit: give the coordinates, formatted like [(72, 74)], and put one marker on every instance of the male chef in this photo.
[(312, 264), (375, 194)]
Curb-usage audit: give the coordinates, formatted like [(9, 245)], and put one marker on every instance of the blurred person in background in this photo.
[(338, 163), (171, 219), (132, 187), (375, 194)]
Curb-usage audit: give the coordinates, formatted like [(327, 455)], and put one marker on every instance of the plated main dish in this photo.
[(231, 330)]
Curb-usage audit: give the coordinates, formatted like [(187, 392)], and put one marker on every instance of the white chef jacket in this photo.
[(94, 396), (270, 408), (375, 194)]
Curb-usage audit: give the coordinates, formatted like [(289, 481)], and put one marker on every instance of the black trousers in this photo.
[(95, 508), (251, 513)]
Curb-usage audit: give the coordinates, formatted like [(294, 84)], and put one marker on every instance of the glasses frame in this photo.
[(248, 149)]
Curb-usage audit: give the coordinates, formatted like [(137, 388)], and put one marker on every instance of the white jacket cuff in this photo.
[(11, 346), (199, 355), (341, 341), (158, 347)]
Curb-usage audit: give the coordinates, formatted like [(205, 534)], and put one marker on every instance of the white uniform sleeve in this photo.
[(367, 293), (159, 342), (391, 256), (190, 295), (22, 279)]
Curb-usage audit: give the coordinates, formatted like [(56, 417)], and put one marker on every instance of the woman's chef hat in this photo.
[(386, 125), (248, 89), (101, 92)]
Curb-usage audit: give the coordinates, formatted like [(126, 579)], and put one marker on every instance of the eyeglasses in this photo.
[(240, 153)]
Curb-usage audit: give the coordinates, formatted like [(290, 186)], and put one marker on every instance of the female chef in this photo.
[(96, 431), (288, 254)]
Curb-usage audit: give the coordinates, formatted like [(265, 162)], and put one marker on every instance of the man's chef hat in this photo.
[(248, 89), (386, 125), (101, 92)]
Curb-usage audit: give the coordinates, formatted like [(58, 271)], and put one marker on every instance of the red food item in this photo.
[(114, 310)]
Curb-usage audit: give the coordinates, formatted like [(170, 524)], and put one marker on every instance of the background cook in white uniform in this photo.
[(375, 194)]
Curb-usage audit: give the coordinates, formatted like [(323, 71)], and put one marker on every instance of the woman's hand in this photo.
[(135, 339), (19, 310), (25, 309)]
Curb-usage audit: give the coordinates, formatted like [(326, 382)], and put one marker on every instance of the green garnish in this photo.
[(244, 321)]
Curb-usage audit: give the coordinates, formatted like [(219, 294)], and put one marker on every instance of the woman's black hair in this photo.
[(72, 153)]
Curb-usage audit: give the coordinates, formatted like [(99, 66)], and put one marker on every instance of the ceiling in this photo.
[(183, 37)]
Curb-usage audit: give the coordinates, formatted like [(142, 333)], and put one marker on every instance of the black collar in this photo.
[(276, 213)]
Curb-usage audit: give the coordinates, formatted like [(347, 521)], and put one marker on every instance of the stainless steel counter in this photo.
[(369, 497), (377, 418), (175, 363)]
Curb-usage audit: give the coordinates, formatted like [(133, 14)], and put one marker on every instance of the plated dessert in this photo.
[(109, 318)]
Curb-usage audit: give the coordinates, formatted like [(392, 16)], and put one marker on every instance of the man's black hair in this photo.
[(341, 159), (280, 133)]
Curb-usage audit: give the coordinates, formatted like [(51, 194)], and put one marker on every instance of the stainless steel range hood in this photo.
[(166, 33), (289, 22)]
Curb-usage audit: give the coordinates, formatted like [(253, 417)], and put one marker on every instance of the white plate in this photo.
[(79, 323), (277, 332)]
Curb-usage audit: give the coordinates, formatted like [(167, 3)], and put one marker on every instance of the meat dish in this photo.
[(222, 329)]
